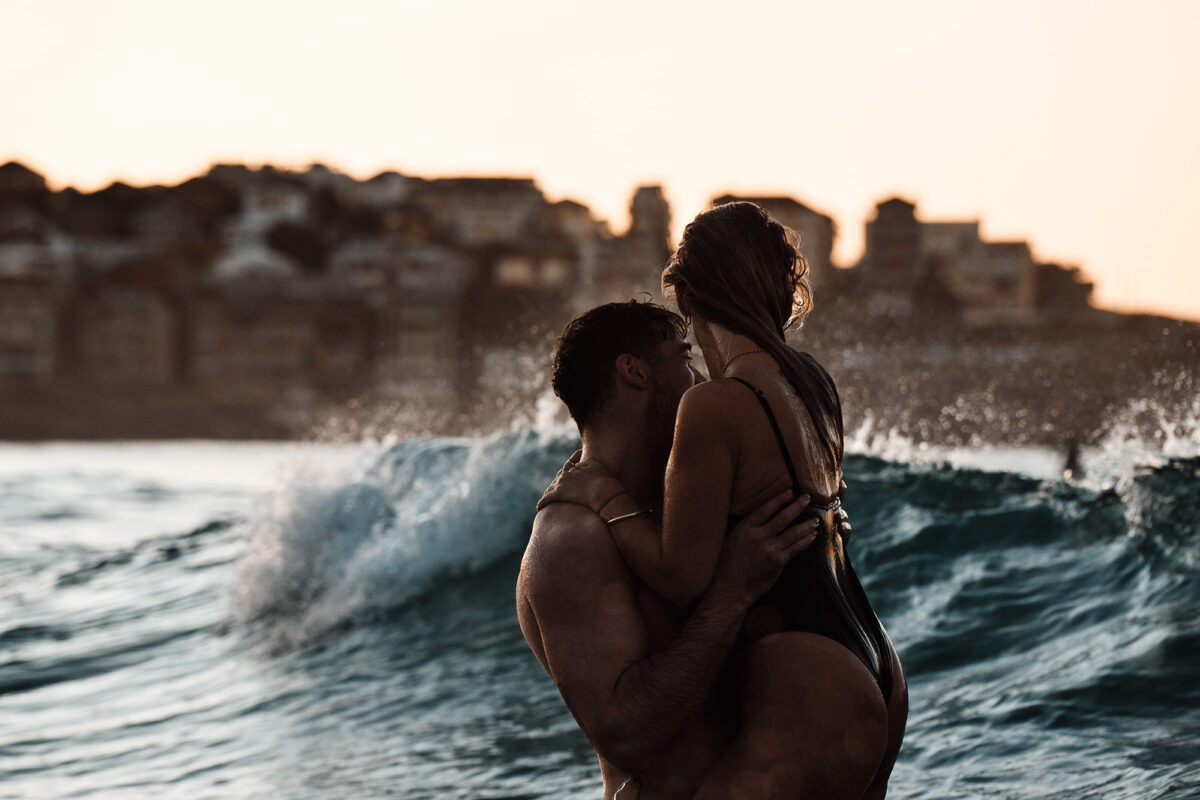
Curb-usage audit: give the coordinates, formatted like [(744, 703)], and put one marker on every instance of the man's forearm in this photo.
[(654, 697)]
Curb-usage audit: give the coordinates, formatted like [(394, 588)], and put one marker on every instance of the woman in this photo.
[(817, 665)]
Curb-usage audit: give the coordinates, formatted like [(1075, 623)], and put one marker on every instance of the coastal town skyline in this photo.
[(1065, 123), (849, 243), (270, 302)]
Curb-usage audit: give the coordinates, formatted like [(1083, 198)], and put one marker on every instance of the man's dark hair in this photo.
[(590, 344)]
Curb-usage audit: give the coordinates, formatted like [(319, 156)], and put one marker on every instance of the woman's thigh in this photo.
[(813, 723)]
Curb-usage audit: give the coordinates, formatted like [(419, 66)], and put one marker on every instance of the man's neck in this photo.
[(627, 453)]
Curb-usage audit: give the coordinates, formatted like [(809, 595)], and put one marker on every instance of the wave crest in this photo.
[(337, 549)]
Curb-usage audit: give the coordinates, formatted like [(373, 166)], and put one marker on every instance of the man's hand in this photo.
[(584, 483), (756, 550)]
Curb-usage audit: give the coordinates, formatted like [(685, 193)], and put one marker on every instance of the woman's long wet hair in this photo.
[(740, 269)]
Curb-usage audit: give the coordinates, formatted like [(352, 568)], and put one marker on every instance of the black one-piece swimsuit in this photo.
[(817, 591)]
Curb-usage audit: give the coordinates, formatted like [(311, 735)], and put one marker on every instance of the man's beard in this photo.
[(660, 423)]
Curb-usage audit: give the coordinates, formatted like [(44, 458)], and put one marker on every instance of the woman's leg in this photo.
[(814, 724)]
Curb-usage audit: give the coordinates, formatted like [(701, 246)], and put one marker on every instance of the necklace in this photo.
[(725, 368)]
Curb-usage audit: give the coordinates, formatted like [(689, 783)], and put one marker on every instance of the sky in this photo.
[(1072, 124)]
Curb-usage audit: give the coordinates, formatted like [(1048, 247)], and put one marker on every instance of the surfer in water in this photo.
[(637, 673), (813, 662)]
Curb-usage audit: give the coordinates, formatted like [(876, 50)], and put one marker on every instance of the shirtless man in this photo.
[(637, 674)]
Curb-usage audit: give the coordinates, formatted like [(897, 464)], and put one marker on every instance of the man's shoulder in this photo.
[(566, 532), (569, 525), (569, 542)]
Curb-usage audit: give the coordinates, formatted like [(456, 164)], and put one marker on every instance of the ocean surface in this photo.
[(211, 620)]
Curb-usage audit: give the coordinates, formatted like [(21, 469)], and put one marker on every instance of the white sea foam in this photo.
[(1144, 433), (893, 445), (335, 547), (351, 540)]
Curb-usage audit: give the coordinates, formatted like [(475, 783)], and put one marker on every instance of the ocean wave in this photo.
[(1048, 621), (338, 549), (341, 548)]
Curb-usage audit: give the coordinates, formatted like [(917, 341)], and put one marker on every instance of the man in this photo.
[(636, 673)]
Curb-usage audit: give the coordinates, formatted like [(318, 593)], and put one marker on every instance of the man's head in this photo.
[(597, 345)]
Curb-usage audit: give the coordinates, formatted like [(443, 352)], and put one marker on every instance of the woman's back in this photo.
[(818, 592), (760, 471), (742, 279)]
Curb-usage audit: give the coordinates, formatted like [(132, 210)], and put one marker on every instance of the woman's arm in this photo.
[(679, 563)]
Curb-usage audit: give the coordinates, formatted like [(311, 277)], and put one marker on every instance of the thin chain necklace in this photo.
[(725, 368)]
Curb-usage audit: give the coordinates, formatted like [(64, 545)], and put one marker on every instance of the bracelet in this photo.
[(644, 512), (609, 502)]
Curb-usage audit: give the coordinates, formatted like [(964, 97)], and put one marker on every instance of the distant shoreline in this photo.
[(982, 389)]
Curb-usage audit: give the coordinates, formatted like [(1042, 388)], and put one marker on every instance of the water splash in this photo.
[(339, 548), (361, 540), (1146, 432)]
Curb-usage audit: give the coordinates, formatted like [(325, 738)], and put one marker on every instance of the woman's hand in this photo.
[(843, 524), (584, 483)]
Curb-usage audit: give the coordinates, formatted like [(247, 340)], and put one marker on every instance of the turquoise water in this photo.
[(233, 620)]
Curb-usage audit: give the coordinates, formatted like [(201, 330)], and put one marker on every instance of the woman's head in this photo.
[(741, 269)]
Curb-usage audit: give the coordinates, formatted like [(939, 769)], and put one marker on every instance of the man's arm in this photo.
[(578, 603)]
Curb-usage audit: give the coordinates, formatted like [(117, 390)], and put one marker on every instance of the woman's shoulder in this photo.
[(714, 402), (711, 414), (717, 392)]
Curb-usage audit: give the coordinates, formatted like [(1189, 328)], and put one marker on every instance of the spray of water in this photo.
[(338, 545), (336, 548)]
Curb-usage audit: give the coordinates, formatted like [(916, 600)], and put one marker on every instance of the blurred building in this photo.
[(993, 281), (29, 338), (20, 184), (624, 267), (385, 190), (343, 358), (908, 263), (30, 244), (253, 342), (891, 266), (126, 340), (421, 345), (267, 200), (572, 221), (477, 212), (37, 269), (251, 291), (1062, 294), (1005, 293), (367, 263)]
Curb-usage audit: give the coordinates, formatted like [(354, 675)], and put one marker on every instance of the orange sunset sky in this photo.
[(1075, 125)]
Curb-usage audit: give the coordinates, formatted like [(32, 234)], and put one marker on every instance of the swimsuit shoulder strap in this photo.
[(787, 459)]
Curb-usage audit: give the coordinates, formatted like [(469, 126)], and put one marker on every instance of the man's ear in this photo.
[(633, 370)]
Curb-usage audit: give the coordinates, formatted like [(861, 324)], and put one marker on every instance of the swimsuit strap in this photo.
[(787, 459)]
